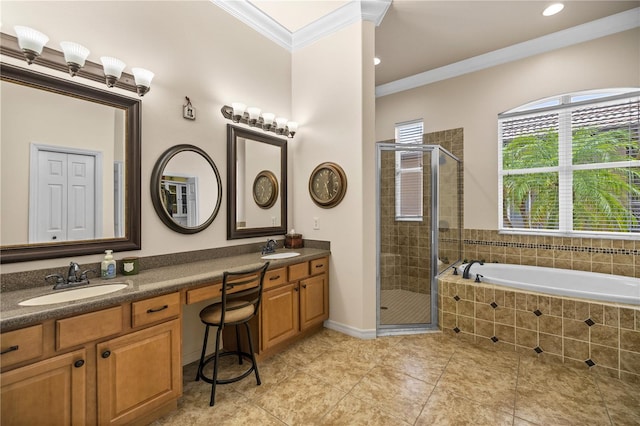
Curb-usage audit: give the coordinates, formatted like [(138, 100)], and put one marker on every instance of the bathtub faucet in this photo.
[(465, 273)]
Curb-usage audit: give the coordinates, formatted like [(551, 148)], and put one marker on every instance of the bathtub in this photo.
[(564, 282)]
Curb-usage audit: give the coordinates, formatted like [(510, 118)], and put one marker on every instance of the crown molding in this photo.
[(353, 11), (590, 31), (256, 19)]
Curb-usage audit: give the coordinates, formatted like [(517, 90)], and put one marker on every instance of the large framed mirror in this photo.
[(256, 183), (186, 189), (70, 168)]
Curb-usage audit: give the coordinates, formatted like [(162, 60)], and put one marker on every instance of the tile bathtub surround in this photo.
[(426, 379), (618, 257), (601, 336)]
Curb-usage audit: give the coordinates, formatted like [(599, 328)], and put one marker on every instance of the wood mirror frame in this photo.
[(132, 227), (156, 197), (233, 231)]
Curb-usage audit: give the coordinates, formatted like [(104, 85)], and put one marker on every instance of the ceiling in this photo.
[(418, 36)]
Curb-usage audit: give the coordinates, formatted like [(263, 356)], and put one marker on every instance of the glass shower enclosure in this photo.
[(419, 233)]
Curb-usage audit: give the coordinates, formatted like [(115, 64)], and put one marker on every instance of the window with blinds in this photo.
[(570, 165), (409, 172)]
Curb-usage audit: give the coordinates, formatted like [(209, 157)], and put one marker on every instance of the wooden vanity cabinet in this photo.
[(49, 392), (120, 365), (301, 304)]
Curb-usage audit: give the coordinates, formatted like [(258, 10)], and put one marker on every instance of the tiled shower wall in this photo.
[(405, 258), (618, 257)]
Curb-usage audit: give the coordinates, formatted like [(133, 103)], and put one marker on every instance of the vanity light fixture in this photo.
[(75, 54), (143, 79), (267, 121), (31, 42), (113, 68)]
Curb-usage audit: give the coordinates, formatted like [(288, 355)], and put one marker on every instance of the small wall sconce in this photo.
[(75, 54), (31, 44), (143, 80), (113, 68), (239, 113)]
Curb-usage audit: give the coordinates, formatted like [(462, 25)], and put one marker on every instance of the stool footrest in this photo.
[(212, 358)]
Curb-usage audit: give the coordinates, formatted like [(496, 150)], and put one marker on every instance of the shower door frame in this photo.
[(397, 329)]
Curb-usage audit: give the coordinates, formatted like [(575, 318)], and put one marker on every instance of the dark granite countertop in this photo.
[(147, 283)]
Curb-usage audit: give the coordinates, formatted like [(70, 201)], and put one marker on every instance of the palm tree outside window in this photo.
[(570, 165)]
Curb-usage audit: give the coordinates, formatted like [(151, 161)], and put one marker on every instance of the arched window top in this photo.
[(567, 99)]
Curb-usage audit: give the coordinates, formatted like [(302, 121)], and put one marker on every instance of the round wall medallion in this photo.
[(327, 185), (265, 189)]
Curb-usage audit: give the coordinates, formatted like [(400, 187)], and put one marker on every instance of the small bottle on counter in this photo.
[(108, 266)]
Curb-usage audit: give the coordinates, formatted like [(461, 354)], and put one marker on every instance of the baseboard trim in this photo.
[(350, 331)]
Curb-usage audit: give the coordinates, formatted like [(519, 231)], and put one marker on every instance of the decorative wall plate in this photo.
[(265, 189), (327, 185)]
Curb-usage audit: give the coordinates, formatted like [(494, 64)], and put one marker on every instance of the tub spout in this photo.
[(465, 273)]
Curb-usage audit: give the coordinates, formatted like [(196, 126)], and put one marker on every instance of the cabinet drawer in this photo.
[(155, 309), (212, 291), (319, 266), (275, 277), (87, 327), (298, 271), (21, 345)]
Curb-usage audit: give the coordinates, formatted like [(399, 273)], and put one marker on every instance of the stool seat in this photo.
[(237, 311), (239, 303)]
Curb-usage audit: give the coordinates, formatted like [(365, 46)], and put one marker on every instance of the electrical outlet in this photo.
[(316, 224), (273, 221)]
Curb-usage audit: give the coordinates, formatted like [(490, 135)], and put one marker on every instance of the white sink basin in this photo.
[(75, 294), (280, 255)]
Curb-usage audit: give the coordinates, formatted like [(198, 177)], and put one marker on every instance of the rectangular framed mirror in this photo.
[(256, 184), (70, 172)]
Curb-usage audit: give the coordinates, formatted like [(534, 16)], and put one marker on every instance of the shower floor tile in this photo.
[(404, 307)]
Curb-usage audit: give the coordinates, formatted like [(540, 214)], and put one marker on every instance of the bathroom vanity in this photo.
[(117, 358)]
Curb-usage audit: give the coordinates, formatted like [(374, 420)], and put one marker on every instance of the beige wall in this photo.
[(473, 102), (196, 50), (333, 101)]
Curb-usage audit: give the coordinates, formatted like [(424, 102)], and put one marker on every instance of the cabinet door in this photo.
[(138, 373), (49, 392), (314, 301), (279, 313)]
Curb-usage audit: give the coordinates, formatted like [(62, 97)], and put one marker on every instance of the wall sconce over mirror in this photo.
[(30, 45), (254, 117)]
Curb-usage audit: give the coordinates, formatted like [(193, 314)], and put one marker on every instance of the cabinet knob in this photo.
[(79, 363), (106, 354), (304, 286)]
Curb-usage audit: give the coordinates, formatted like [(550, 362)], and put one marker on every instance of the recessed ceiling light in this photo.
[(553, 9), (376, 61)]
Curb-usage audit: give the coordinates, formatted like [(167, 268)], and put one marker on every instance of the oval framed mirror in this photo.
[(186, 189)]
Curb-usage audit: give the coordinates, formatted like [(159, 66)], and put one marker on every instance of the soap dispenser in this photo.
[(108, 267)]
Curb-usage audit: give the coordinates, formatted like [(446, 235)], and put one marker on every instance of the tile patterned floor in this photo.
[(404, 307), (428, 379)]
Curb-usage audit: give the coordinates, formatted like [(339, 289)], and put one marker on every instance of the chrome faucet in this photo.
[(72, 280), (465, 273), (270, 247), (72, 274)]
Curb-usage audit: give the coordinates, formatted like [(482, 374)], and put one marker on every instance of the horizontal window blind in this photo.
[(409, 173), (572, 168)]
